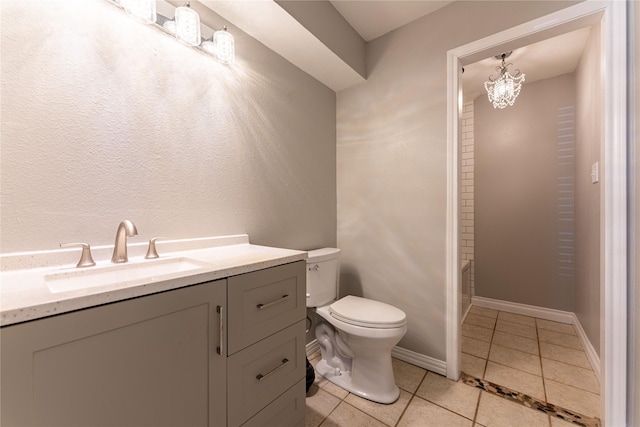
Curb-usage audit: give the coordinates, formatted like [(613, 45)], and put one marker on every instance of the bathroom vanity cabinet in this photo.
[(226, 352), (262, 364)]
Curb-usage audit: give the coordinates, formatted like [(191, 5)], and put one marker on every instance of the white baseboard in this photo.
[(464, 316), (592, 356), (426, 362), (546, 314), (525, 310), (312, 347), (421, 360)]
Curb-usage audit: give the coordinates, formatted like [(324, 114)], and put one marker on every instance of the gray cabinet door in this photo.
[(149, 361)]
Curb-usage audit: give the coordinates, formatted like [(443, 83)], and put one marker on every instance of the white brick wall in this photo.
[(466, 190)]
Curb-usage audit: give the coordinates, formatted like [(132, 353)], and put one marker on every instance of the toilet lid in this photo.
[(369, 313)]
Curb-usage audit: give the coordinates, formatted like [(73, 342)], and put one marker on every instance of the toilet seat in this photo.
[(367, 313)]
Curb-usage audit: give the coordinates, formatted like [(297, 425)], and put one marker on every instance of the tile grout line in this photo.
[(360, 410), (405, 410), (413, 395), (439, 405), (544, 383), (544, 378), (336, 407), (493, 334), (475, 415)]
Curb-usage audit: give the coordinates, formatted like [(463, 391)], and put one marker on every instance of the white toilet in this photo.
[(356, 342)]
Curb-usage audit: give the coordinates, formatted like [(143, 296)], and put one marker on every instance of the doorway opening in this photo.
[(612, 17)]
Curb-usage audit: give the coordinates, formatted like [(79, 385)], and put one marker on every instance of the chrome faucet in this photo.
[(125, 229)]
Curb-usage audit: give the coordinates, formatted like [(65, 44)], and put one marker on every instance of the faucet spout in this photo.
[(125, 229)]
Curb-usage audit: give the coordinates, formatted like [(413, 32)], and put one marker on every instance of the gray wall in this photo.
[(104, 118), (588, 198), (523, 227), (391, 164)]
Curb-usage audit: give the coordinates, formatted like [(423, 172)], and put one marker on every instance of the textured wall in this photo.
[(524, 196), (104, 118), (391, 164)]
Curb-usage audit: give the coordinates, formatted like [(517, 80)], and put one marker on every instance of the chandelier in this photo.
[(504, 90)]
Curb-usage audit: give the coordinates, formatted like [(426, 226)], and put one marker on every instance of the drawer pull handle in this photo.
[(269, 304), (261, 377), (220, 311)]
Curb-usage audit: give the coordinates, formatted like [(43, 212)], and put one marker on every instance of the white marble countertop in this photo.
[(24, 294)]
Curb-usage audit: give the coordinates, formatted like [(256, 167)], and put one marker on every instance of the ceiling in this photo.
[(372, 19), (538, 61)]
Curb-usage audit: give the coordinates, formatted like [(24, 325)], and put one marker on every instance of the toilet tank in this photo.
[(322, 276)]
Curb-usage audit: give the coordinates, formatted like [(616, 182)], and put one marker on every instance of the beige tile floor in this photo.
[(540, 358)]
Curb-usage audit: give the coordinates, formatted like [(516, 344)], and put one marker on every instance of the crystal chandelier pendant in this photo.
[(187, 25), (503, 91)]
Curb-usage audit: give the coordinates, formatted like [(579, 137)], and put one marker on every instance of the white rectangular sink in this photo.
[(145, 271)]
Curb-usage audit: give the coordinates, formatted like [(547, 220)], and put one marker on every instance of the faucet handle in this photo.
[(86, 260), (152, 252)]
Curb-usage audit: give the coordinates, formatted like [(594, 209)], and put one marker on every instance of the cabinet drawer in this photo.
[(288, 410), (266, 369), (263, 302)]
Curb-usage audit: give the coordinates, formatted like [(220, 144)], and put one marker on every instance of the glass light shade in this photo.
[(170, 26), (503, 91), (145, 10), (224, 46), (208, 46), (187, 25)]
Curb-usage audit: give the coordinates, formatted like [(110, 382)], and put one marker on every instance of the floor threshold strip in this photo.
[(531, 402)]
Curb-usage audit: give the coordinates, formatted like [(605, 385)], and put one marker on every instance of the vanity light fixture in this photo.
[(224, 46), (221, 46), (187, 25), (504, 90), (144, 10)]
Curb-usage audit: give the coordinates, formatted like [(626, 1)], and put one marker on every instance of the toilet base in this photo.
[(343, 380)]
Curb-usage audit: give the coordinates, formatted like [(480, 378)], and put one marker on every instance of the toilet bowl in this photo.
[(356, 335)]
